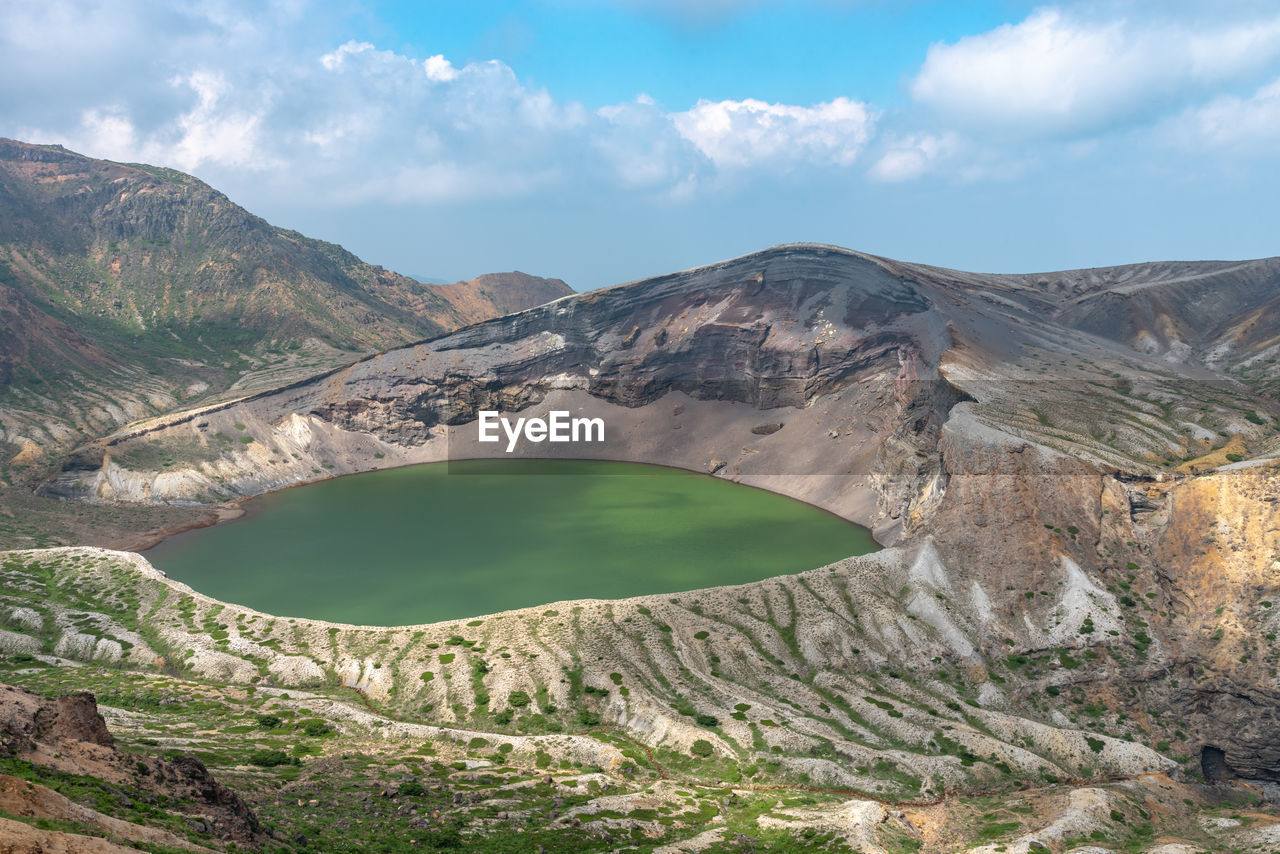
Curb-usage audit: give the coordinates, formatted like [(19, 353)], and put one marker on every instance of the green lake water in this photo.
[(450, 540)]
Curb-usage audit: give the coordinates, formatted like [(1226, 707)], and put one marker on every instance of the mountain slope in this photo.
[(818, 338), (1076, 597), (126, 290), (496, 294), (1051, 492)]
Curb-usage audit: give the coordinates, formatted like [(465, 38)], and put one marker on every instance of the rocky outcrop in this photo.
[(27, 718), (32, 801), (1218, 555), (69, 735)]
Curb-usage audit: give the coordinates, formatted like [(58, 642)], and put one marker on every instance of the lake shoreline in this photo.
[(499, 537), (230, 511), (146, 540)]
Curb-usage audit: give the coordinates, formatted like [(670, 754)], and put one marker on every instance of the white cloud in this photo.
[(1059, 73), (739, 134), (353, 123), (226, 94), (643, 150), (1232, 122), (912, 156), (109, 133), (207, 133), (215, 89), (439, 68), (335, 60)]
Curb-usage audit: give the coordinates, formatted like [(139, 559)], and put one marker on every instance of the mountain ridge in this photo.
[(128, 290)]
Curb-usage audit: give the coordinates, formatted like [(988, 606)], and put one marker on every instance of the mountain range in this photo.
[(1067, 643)]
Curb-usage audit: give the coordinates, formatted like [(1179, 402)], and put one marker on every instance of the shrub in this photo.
[(702, 748), (996, 829), (1095, 744), (707, 720), (412, 788), (586, 717), (268, 721), (271, 758), (316, 728), (519, 699)]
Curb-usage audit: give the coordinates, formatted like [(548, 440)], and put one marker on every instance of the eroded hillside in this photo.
[(127, 290), (885, 380)]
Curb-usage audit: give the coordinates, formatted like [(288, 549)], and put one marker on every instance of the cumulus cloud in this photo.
[(1233, 122), (910, 157), (738, 134), (354, 121), (639, 144), (264, 97), (205, 133), (1060, 73)]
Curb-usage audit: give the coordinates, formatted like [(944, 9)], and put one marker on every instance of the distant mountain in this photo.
[(127, 289), (496, 294)]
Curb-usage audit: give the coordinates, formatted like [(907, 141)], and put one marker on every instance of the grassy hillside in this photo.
[(127, 290), (593, 726)]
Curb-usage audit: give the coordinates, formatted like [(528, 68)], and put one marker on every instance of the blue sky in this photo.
[(600, 53), (605, 140)]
